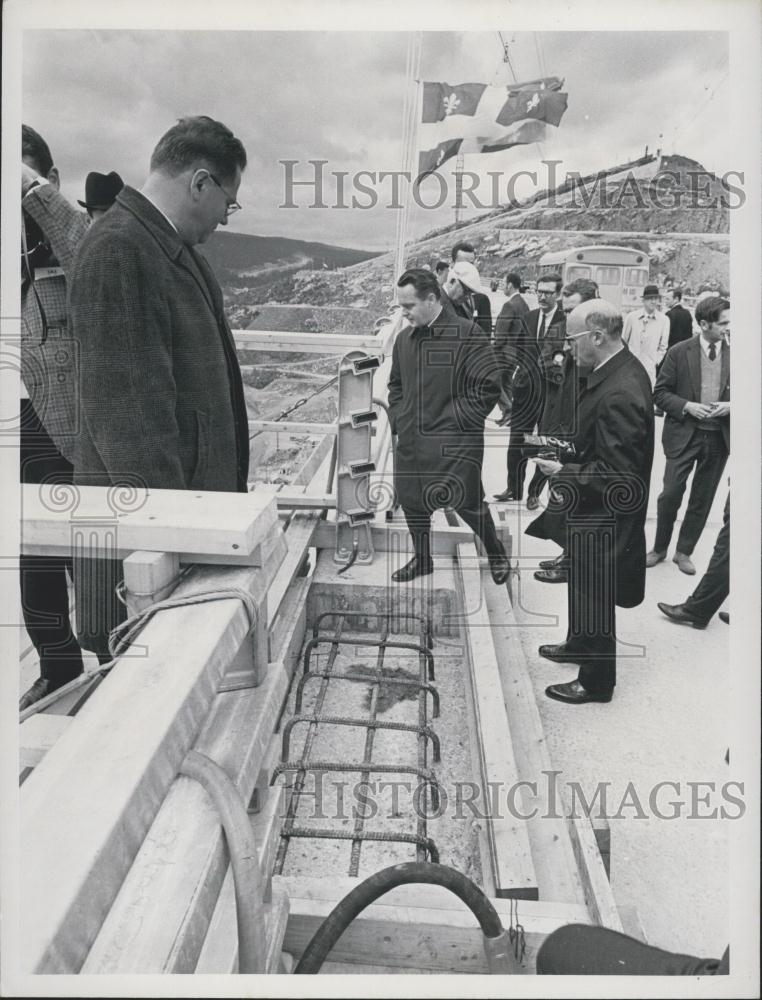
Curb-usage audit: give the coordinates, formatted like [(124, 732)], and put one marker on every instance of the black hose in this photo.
[(377, 885)]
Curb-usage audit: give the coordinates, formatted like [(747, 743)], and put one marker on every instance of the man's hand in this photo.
[(28, 176), (720, 410), (548, 466), (700, 411)]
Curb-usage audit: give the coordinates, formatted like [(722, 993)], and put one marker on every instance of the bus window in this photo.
[(635, 276), (575, 271), (608, 275)]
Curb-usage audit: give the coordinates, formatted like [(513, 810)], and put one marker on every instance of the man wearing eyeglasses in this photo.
[(162, 400), (599, 499)]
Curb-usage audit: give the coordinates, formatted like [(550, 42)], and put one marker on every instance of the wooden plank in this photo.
[(512, 866), (315, 460), (293, 427), (183, 856), (310, 343), (549, 835), (597, 888), (183, 521), (299, 537), (105, 786), (413, 926), (149, 577), (38, 734)]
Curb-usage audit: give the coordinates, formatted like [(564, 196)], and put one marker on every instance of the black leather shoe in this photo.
[(557, 563), (552, 575), (533, 503), (725, 617), (559, 653), (41, 688), (506, 496), (412, 569), (500, 567), (574, 693), (677, 613)]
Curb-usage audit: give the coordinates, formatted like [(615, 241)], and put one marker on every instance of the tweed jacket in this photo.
[(678, 383), (162, 400), (49, 364)]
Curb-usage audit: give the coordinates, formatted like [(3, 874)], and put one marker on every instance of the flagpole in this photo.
[(410, 119)]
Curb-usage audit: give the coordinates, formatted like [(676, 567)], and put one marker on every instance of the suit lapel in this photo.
[(725, 369), (189, 260), (694, 366)]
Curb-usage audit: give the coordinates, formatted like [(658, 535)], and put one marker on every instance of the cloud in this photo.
[(102, 99)]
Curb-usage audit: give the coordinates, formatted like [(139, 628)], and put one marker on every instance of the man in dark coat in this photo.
[(162, 401), (509, 330), (680, 320), (599, 501), (539, 353), (693, 389), (463, 288), (442, 385), (477, 301)]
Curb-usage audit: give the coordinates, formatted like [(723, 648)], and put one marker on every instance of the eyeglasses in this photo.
[(233, 205), (573, 336)]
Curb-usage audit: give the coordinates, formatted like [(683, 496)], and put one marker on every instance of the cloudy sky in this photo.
[(103, 98)]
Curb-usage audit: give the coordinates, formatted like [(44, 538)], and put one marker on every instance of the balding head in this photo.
[(594, 332)]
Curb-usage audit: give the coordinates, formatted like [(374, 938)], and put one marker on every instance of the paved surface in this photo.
[(668, 722)]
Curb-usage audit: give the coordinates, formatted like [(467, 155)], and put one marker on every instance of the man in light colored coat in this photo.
[(646, 332)]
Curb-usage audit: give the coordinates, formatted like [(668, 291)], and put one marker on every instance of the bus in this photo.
[(621, 273)]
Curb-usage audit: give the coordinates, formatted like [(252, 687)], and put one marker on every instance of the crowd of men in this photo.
[(130, 377)]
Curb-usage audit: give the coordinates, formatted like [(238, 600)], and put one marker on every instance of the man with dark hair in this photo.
[(680, 319), (162, 397), (52, 230), (539, 353), (442, 385), (509, 331), (441, 269), (693, 389), (475, 304), (599, 501)]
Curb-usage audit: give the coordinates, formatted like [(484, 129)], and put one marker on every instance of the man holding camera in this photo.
[(51, 232)]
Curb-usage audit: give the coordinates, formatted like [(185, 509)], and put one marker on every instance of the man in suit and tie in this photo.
[(509, 330), (539, 357), (162, 400), (693, 389)]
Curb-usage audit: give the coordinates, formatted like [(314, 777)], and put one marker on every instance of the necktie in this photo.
[(712, 352), (541, 331)]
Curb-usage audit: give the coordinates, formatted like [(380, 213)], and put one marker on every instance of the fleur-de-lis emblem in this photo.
[(534, 102), (451, 104)]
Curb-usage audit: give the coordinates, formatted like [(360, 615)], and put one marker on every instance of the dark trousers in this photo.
[(591, 601), (714, 585), (44, 579), (583, 950), (478, 520), (527, 407), (707, 451)]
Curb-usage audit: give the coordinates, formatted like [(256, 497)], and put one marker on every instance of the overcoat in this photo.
[(160, 395), (444, 381), (679, 382), (604, 488)]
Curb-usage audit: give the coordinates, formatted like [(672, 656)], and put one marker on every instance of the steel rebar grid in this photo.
[(424, 846)]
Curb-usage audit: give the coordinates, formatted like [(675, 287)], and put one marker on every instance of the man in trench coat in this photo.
[(599, 501), (443, 383), (161, 395)]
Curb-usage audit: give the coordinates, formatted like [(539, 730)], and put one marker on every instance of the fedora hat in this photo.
[(101, 190), (651, 292)]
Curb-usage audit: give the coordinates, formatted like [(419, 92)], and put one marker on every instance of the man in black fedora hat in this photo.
[(100, 192)]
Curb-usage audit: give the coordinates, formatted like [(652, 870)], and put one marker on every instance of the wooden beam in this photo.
[(38, 734), (413, 926), (149, 577), (183, 857), (299, 537), (311, 343), (189, 522), (315, 459), (512, 867), (292, 427), (105, 786)]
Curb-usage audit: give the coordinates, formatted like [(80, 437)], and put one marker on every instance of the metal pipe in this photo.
[(496, 940), (244, 858)]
